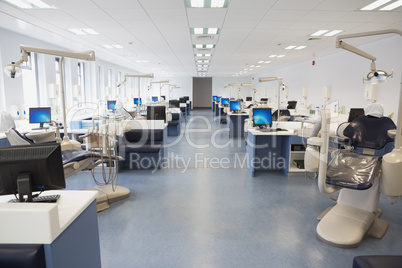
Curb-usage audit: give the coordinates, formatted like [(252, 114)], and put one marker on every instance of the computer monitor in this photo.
[(136, 101), (186, 98), (225, 101), (235, 106), (264, 99), (156, 113), (174, 104), (214, 98), (111, 105), (40, 115), (182, 100), (291, 105), (355, 113), (154, 98), (249, 98), (218, 99), (30, 168), (262, 117)]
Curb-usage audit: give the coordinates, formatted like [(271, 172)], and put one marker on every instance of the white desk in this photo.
[(68, 229)]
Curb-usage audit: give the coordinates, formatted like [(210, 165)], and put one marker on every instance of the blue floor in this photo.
[(204, 210)]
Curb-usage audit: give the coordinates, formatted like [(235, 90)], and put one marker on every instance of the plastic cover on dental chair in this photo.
[(374, 109), (352, 170)]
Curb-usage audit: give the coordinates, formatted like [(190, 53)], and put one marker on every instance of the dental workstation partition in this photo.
[(204, 133)]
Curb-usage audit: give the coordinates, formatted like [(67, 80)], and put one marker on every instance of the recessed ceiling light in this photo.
[(267, 61), (290, 47), (90, 31), (272, 56), (392, 6), (198, 30), (198, 55), (207, 55), (300, 47), (83, 31), (251, 69), (197, 3), (30, 4), (206, 61), (209, 46), (199, 60), (258, 66), (280, 56), (375, 4), (198, 46), (212, 30), (117, 46), (217, 3), (320, 32), (107, 46), (261, 61), (334, 32)]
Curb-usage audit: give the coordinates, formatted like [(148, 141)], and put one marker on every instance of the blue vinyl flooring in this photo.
[(210, 213)]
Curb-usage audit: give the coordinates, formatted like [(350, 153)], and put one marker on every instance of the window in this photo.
[(100, 91)]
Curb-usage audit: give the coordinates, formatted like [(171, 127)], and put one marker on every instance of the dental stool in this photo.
[(358, 175)]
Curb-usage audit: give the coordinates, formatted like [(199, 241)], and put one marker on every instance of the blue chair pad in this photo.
[(69, 156)]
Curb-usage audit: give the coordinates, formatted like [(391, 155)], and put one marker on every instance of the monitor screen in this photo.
[(174, 104), (111, 105), (225, 101), (262, 116), (249, 98), (218, 99), (186, 98), (40, 115), (214, 98), (291, 105), (154, 98), (264, 99), (182, 100), (235, 106), (30, 168), (156, 113), (354, 113), (136, 101)]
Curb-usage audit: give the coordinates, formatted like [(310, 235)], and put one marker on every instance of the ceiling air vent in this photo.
[(204, 50), (205, 37)]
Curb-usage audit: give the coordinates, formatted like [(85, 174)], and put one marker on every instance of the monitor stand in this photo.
[(24, 187), (40, 127)]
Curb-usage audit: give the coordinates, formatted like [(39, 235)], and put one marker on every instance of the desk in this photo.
[(236, 123), (271, 150), (68, 229)]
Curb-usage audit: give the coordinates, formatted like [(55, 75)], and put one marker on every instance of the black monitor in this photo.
[(235, 106), (262, 117), (214, 98), (218, 99), (249, 98), (225, 101), (186, 97), (264, 99), (291, 105), (174, 104), (355, 113), (40, 115), (156, 113), (111, 105), (182, 100), (30, 168), (154, 98), (136, 101)]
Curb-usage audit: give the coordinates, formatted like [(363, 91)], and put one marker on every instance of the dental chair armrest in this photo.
[(74, 165)]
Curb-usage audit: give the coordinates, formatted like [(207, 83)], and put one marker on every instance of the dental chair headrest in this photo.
[(374, 109)]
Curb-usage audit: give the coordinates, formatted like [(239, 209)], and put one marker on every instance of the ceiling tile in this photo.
[(297, 5), (158, 4), (258, 4), (127, 14), (167, 14), (342, 5), (106, 4)]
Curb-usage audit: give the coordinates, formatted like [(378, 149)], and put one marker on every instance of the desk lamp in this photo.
[(391, 184), (14, 70)]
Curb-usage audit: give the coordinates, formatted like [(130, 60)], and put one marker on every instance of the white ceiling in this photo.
[(158, 31)]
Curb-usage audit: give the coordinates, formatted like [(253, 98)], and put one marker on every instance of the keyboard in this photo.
[(272, 129), (40, 199)]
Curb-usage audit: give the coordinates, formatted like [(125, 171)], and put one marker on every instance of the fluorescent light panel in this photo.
[(392, 6), (332, 33), (205, 30), (290, 47), (320, 32), (197, 3), (30, 4), (375, 4), (300, 47), (217, 3), (83, 31)]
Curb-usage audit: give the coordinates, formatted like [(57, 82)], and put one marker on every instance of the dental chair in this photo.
[(356, 174)]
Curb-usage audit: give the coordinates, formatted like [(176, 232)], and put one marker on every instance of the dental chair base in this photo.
[(106, 195), (353, 217)]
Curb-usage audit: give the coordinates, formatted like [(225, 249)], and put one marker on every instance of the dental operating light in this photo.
[(281, 85), (250, 85), (162, 84), (14, 70)]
